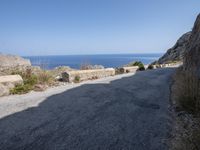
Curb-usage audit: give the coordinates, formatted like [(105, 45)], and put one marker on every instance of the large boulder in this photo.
[(192, 57), (8, 82), (14, 79), (4, 90), (176, 53), (9, 62)]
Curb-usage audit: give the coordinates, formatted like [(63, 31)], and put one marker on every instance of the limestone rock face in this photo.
[(192, 57), (176, 53), (4, 91), (11, 61)]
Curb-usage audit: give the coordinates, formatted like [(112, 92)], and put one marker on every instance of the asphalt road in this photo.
[(129, 113)]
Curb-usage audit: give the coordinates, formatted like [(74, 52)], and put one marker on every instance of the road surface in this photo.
[(130, 113)]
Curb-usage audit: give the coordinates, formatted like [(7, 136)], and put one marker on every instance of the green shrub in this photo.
[(77, 79), (139, 64), (26, 87), (30, 80), (21, 89), (150, 67)]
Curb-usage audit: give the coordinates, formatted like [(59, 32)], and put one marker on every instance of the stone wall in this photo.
[(129, 69), (83, 75)]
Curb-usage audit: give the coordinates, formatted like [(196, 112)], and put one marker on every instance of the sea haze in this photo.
[(107, 60)]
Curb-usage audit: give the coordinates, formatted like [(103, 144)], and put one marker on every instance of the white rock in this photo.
[(14, 79)]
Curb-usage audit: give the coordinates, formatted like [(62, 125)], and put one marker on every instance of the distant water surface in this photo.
[(107, 60)]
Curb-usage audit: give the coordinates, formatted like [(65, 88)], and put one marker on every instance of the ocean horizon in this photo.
[(106, 60)]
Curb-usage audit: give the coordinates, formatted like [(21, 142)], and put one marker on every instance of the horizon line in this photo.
[(90, 54)]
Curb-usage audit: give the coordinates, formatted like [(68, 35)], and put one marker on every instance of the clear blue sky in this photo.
[(62, 27)]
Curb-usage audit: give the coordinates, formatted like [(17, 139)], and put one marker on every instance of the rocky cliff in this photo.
[(176, 53), (11, 61), (192, 56)]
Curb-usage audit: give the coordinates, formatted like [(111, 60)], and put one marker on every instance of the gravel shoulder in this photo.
[(122, 112)]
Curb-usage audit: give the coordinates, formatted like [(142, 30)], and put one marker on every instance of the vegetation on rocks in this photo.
[(150, 67), (77, 79), (31, 80), (140, 65)]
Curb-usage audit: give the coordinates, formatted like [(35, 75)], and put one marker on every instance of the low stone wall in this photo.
[(171, 65), (83, 75), (129, 69)]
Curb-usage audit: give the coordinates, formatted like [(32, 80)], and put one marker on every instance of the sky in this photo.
[(65, 27)]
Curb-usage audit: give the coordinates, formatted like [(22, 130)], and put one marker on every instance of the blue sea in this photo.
[(107, 60)]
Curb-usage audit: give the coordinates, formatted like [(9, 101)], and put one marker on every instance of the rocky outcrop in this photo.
[(176, 53), (192, 57), (13, 62)]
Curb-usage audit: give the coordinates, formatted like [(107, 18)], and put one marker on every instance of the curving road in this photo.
[(130, 113)]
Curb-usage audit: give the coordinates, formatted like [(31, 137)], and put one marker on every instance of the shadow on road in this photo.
[(130, 113)]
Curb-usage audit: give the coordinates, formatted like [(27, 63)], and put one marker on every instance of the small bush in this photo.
[(77, 79), (140, 65), (137, 63), (85, 66), (119, 71), (158, 66), (150, 67), (94, 78), (30, 80), (21, 89), (44, 77)]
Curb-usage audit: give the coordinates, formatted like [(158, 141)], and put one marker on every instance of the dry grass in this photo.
[(85, 66), (186, 91), (186, 97), (31, 79), (45, 77)]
